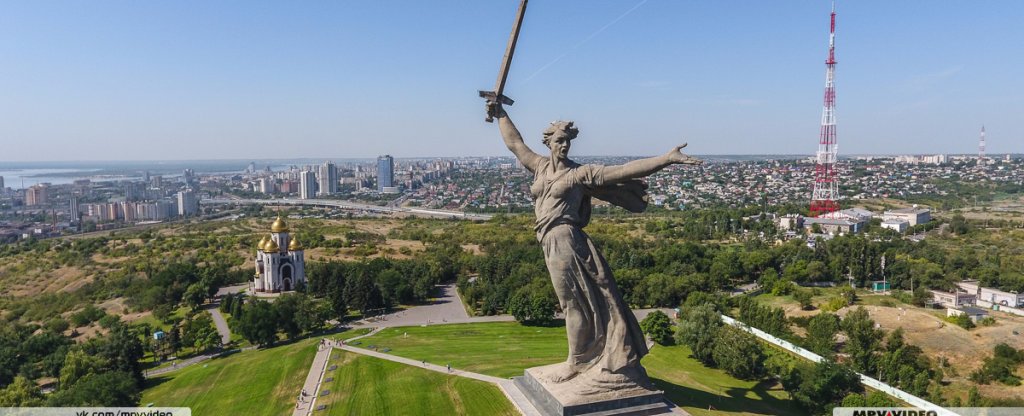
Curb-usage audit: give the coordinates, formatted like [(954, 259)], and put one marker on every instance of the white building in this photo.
[(993, 296), (975, 314), (188, 204), (897, 225), (280, 261), (327, 178), (307, 185), (953, 299), (790, 221), (836, 225), (914, 215)]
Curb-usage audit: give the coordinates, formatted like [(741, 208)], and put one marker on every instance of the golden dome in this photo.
[(271, 247), (279, 226), (294, 245), (263, 242)]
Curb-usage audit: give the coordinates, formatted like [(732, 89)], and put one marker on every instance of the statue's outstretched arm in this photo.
[(513, 139), (645, 167)]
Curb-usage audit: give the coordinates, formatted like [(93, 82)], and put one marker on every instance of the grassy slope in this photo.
[(500, 349), (261, 382), (685, 380), (369, 386), (694, 387)]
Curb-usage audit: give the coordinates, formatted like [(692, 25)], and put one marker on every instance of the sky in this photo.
[(182, 80)]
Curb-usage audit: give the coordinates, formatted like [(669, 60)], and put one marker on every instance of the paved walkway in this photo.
[(220, 323), (306, 405), (306, 401), (446, 308)]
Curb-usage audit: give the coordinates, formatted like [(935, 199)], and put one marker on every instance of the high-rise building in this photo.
[(36, 195), (1, 183), (307, 185), (267, 185), (385, 172), (74, 211), (134, 191), (251, 168), (188, 204), (327, 178), (189, 176), (157, 181), (145, 177)]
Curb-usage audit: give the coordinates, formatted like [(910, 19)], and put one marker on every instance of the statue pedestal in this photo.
[(564, 399)]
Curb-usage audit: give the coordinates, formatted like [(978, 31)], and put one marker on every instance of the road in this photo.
[(356, 206)]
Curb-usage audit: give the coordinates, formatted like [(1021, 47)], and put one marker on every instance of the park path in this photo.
[(315, 378), (220, 323)]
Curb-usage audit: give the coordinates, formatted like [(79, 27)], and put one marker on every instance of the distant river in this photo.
[(16, 178)]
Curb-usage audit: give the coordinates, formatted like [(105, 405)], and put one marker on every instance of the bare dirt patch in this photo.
[(964, 349), (473, 249)]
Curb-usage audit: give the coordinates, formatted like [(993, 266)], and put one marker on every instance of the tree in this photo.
[(542, 308), (114, 388), (824, 385), (862, 339), (174, 338), (974, 398), (200, 332), (122, 349), (698, 329), (879, 399), (78, 364), (286, 308), (531, 305), (821, 333), (257, 324), (658, 327), (313, 314), (195, 295), (738, 353), (21, 393), (804, 298), (854, 400), (519, 305)]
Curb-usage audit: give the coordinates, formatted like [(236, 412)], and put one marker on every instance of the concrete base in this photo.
[(633, 402)]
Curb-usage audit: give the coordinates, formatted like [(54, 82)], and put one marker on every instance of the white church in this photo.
[(280, 263)]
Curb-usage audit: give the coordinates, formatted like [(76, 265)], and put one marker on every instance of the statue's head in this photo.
[(558, 137)]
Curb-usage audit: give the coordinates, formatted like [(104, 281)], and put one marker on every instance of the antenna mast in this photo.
[(826, 188), (981, 145)]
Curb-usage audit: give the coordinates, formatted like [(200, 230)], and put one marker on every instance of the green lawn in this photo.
[(255, 382), (369, 386), (500, 349), (694, 387), (266, 382), (505, 349), (156, 324)]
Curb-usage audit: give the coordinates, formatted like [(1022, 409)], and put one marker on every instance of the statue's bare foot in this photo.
[(563, 372)]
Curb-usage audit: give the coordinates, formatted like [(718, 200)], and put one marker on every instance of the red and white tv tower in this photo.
[(824, 200), (981, 144)]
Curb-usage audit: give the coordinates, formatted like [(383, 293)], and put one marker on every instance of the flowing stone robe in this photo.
[(605, 340)]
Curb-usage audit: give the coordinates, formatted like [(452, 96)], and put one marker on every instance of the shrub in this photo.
[(962, 320), (658, 327)]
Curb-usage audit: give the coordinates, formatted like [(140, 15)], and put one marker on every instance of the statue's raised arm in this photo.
[(513, 139)]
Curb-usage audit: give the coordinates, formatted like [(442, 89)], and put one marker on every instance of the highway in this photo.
[(355, 206)]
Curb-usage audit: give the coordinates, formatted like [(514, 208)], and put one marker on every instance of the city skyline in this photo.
[(224, 81)]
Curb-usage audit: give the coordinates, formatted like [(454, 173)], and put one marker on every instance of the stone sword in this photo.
[(499, 87)]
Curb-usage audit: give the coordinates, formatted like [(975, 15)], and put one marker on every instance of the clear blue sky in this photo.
[(106, 80)]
